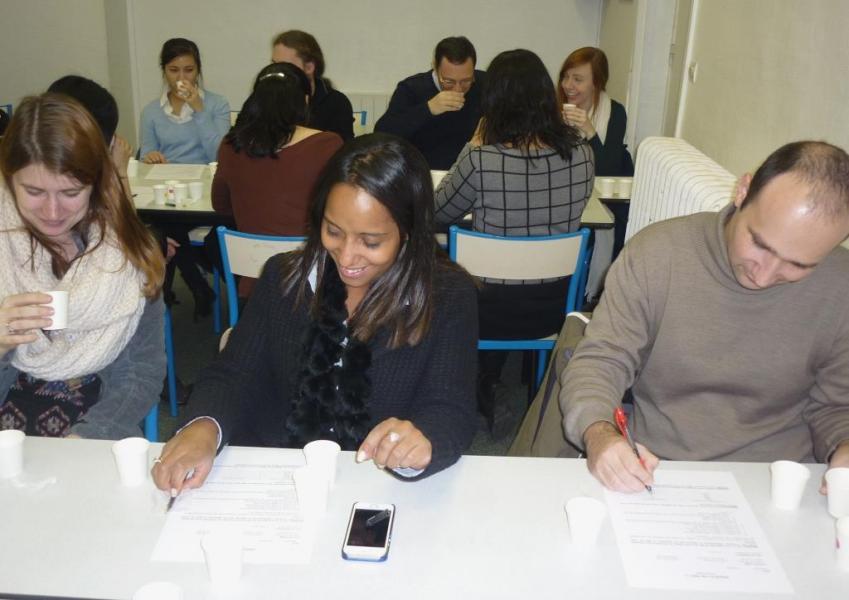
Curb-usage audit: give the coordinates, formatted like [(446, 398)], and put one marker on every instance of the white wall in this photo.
[(769, 72), (42, 40), (369, 45)]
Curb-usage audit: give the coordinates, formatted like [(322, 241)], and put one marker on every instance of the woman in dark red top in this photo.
[(268, 163)]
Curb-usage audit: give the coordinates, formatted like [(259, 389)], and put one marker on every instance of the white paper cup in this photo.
[(131, 460), (323, 455), (567, 105), (159, 590), (196, 190), (623, 186), (213, 166), (223, 555), (59, 304), (311, 487), (837, 481), (841, 527), (132, 168), (788, 483), (586, 516), (160, 194), (170, 189), (606, 186), (11, 453), (181, 193)]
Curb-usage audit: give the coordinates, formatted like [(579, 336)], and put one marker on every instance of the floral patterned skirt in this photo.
[(48, 408)]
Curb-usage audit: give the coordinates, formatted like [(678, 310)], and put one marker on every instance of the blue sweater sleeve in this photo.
[(212, 124)]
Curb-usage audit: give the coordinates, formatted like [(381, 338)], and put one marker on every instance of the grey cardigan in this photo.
[(130, 386)]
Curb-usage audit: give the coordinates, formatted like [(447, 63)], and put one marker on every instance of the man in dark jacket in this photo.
[(438, 110)]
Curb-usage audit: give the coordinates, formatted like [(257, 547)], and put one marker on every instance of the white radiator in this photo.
[(671, 179), (368, 108)]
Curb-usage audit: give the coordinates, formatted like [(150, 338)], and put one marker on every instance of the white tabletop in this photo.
[(142, 189), (488, 527)]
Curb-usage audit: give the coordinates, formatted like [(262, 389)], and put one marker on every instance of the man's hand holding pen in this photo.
[(612, 461)]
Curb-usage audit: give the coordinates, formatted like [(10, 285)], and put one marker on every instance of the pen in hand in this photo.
[(622, 423), (175, 493)]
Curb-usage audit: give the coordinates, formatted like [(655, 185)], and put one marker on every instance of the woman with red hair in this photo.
[(587, 107)]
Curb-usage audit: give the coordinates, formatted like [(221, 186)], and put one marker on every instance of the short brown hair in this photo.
[(597, 60), (824, 167)]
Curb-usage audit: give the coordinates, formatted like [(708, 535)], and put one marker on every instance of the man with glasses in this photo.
[(438, 111)]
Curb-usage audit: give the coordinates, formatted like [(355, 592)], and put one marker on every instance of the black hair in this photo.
[(822, 166), (456, 49), (176, 47), (95, 99), (4, 122), (393, 171), (272, 111), (519, 105)]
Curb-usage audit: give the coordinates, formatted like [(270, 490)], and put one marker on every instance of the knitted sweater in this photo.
[(249, 389), (719, 372), (193, 142)]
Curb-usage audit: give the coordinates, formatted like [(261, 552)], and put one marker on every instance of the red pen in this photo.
[(622, 423)]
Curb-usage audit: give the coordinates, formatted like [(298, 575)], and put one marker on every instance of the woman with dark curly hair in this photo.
[(524, 173), (365, 337)]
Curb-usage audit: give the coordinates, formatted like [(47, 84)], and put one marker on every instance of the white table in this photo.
[(488, 527)]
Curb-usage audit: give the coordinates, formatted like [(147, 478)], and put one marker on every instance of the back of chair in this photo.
[(537, 257), (245, 254)]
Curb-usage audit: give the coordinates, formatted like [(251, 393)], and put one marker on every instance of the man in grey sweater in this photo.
[(730, 328)]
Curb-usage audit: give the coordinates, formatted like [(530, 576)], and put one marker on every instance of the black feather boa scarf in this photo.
[(333, 397)]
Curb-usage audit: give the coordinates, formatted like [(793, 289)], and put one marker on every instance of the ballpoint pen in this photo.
[(622, 423)]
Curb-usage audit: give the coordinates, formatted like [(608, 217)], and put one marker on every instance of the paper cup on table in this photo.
[(170, 190), (788, 483), (623, 186), (586, 516), (606, 187), (11, 453), (196, 190), (837, 481), (132, 168), (181, 193), (160, 194), (213, 166), (131, 460), (311, 487), (323, 455), (59, 304), (223, 555), (842, 543), (159, 590)]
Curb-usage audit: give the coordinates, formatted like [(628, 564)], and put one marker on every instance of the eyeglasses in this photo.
[(450, 84)]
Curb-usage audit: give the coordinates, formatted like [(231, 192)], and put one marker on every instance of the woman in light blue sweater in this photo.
[(185, 124)]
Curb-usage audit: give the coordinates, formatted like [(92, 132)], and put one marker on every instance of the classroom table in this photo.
[(487, 527), (196, 213)]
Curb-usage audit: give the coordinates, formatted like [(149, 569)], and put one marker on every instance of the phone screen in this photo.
[(371, 536)]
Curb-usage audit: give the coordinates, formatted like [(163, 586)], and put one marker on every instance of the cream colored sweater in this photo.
[(718, 372)]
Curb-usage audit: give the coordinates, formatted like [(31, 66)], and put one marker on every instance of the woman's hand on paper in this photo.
[(155, 157), (395, 443), (187, 458)]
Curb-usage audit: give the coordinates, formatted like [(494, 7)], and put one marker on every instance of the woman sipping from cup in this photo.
[(67, 224)]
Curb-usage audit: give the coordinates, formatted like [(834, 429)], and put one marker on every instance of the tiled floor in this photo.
[(196, 344)]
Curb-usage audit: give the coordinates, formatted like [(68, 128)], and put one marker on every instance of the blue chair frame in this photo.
[(230, 275), (577, 284)]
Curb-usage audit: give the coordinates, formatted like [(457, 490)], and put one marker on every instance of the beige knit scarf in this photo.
[(104, 308)]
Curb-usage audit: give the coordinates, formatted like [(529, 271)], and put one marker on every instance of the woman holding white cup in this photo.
[(600, 119), (66, 223)]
